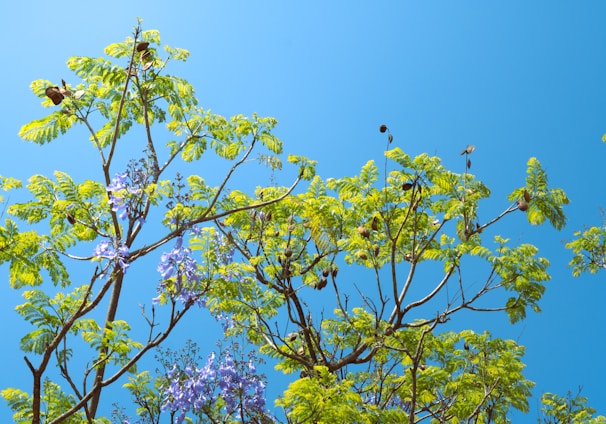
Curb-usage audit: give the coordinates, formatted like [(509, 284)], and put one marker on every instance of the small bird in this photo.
[(470, 148)]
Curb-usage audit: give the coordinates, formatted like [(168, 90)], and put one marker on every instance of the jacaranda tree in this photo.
[(345, 284)]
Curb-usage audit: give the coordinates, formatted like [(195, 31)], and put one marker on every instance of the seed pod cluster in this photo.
[(523, 203), (145, 55)]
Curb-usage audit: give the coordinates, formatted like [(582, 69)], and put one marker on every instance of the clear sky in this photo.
[(517, 79)]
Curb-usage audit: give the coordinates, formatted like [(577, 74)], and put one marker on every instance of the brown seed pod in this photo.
[(291, 337), (321, 284), (374, 224), (71, 219), (78, 94), (407, 186), (268, 216), (326, 272), (362, 255), (145, 56), (292, 228), (468, 163), (390, 138), (54, 94), (288, 252), (527, 196), (466, 346), (335, 271), (383, 128), (364, 232), (522, 205), (142, 46)]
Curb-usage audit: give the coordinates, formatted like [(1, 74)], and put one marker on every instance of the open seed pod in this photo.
[(364, 232), (54, 94), (145, 56)]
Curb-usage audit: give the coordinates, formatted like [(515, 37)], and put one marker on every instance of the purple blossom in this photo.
[(225, 251), (127, 190), (198, 389), (181, 269), (119, 204), (107, 250)]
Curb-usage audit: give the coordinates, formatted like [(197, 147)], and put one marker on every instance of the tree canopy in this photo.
[(345, 284)]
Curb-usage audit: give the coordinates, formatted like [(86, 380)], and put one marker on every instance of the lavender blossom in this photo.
[(198, 390), (107, 250), (127, 190), (181, 269)]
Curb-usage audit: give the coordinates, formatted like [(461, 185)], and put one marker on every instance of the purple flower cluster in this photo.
[(119, 204), (112, 250), (225, 251), (199, 389), (126, 191), (394, 402), (180, 270)]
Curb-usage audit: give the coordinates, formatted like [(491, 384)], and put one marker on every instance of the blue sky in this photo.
[(517, 79)]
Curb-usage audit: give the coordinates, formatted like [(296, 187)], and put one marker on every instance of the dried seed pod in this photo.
[(466, 346), (288, 252), (291, 337), (326, 272), (364, 232), (148, 65), (54, 94), (383, 128), (374, 224), (362, 255), (335, 271), (527, 197), (71, 219), (291, 228), (407, 186), (268, 216), (321, 284), (468, 163), (522, 205), (78, 94), (63, 83), (142, 46), (390, 138), (469, 149)]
